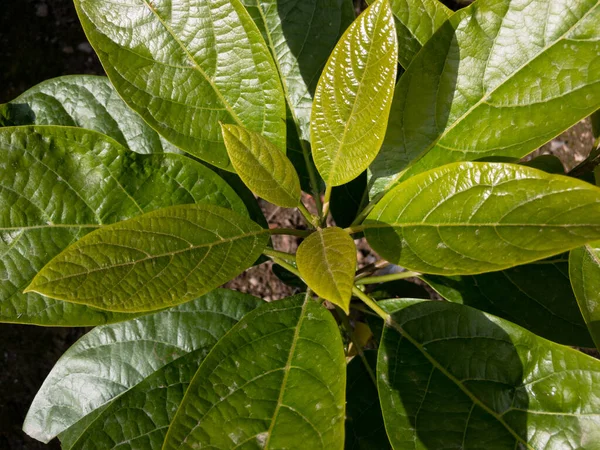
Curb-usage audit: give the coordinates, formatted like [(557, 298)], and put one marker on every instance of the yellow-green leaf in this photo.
[(327, 262), (158, 259), (468, 218), (353, 97), (262, 166)]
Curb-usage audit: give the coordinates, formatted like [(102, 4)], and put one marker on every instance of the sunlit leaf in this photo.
[(468, 218), (277, 380), (354, 95), (327, 262), (262, 166), (155, 260), (59, 184), (499, 78), (185, 66)]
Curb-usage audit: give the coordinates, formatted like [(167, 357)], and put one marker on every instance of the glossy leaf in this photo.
[(353, 96), (111, 360), (277, 380), (262, 166), (84, 101), (364, 422), (301, 36), (59, 184), (450, 376), (185, 66), (155, 260), (327, 262), (468, 218), (416, 21), (584, 269), (484, 83), (536, 296)]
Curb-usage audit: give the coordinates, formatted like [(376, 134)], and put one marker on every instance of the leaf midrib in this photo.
[(474, 225), (485, 97), (391, 323)]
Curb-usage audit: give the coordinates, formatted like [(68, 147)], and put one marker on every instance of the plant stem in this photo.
[(326, 200), (369, 269), (272, 253), (352, 229), (290, 231), (312, 220), (285, 265), (350, 332), (371, 303), (390, 277)]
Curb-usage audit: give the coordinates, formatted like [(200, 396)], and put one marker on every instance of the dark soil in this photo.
[(41, 39)]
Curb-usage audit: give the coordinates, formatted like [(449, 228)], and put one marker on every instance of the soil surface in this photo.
[(41, 39)]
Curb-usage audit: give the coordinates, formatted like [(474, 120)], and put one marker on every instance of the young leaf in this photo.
[(584, 269), (277, 380), (364, 422), (84, 101), (60, 183), (327, 262), (353, 96), (484, 83), (155, 260), (301, 36), (185, 66), (262, 166), (535, 296), (416, 21), (468, 218), (111, 360), (450, 376)]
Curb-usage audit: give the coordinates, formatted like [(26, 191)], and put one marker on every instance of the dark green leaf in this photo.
[(547, 163), (301, 36), (398, 289), (499, 78), (584, 269), (122, 359), (277, 380), (364, 422), (468, 218), (347, 199), (450, 376), (416, 21), (185, 66), (262, 166), (155, 260), (536, 296), (84, 101), (59, 184), (354, 95), (327, 262)]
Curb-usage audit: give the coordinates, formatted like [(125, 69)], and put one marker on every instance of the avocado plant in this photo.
[(128, 200)]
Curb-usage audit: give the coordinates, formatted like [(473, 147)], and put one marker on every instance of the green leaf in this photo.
[(277, 380), (347, 199), (484, 83), (468, 218), (185, 66), (84, 101), (416, 21), (547, 163), (60, 183), (364, 422), (535, 296), (159, 259), (354, 95), (262, 166), (111, 360), (584, 269), (327, 262), (450, 376), (301, 36)]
